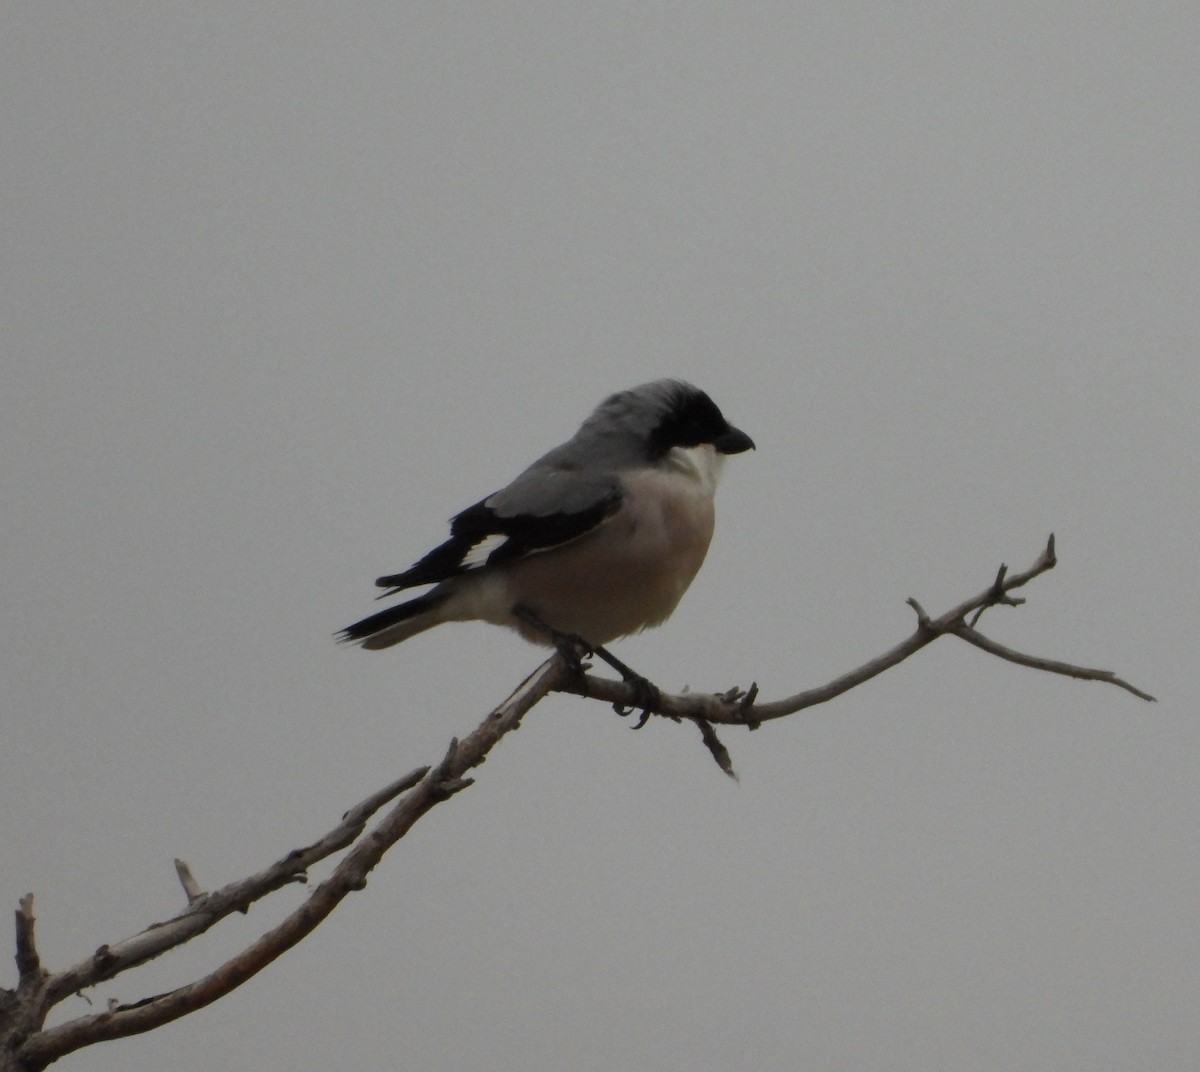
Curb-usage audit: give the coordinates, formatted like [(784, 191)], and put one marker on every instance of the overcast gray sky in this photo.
[(286, 286)]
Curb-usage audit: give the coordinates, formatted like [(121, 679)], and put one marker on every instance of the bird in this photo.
[(597, 540)]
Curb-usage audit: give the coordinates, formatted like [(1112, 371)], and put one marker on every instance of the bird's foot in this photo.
[(574, 649), (646, 695)]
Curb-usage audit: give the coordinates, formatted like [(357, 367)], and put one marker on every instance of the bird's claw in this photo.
[(647, 696)]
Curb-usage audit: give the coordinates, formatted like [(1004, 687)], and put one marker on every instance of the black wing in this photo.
[(541, 509)]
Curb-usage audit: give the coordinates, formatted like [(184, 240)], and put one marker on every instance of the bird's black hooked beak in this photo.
[(733, 441)]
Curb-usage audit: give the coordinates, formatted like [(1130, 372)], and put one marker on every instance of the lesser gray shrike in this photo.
[(598, 539)]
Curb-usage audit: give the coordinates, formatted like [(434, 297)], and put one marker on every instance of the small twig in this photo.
[(719, 752), (1052, 666), (29, 964), (999, 596)]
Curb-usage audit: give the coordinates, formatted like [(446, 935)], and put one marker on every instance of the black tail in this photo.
[(395, 624)]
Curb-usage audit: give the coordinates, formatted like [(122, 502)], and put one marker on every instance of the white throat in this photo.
[(703, 464)]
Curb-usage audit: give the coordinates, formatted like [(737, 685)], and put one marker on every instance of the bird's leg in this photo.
[(570, 645)]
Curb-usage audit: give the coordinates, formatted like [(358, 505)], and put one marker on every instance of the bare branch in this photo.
[(720, 709), (23, 1012), (1052, 666), (350, 874), (208, 909)]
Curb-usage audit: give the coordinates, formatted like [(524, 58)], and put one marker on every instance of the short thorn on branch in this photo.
[(190, 886), (923, 620)]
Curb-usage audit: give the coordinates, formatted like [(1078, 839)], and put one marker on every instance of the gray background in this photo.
[(287, 285)]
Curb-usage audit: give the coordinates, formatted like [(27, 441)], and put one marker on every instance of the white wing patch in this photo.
[(478, 553)]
